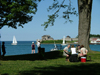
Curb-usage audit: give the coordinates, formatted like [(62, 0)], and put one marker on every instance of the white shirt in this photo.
[(84, 50), (73, 50), (66, 48), (38, 44)]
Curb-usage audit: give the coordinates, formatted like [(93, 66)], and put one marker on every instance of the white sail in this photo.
[(55, 48), (14, 41), (63, 41)]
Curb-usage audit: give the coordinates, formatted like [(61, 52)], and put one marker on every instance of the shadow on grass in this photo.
[(82, 69), (4, 74), (37, 56)]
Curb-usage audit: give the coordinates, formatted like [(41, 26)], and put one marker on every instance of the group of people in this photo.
[(33, 46), (79, 51)]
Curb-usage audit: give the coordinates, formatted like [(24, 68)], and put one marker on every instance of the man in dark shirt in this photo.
[(3, 48)]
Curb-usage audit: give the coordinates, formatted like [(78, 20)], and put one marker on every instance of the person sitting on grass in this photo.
[(66, 52), (78, 50), (73, 50), (83, 52), (73, 57)]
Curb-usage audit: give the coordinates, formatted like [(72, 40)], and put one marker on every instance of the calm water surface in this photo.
[(24, 47)]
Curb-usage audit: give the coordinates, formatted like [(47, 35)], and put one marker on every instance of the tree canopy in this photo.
[(15, 13)]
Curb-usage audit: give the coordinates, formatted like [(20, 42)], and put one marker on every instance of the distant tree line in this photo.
[(52, 41), (92, 35)]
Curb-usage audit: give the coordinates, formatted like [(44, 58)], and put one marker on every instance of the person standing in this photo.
[(38, 45), (33, 47), (3, 49)]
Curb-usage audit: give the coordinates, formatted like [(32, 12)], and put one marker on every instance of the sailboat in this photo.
[(63, 43), (14, 41), (55, 48)]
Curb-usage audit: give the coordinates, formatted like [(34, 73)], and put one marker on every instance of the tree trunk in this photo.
[(84, 8), (0, 46)]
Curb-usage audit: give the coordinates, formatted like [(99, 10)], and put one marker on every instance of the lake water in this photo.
[(24, 47)]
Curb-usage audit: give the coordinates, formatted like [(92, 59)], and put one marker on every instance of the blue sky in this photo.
[(33, 30)]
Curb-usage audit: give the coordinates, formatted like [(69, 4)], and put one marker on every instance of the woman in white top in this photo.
[(73, 50), (73, 57)]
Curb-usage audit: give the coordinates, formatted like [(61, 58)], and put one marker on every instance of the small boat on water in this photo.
[(14, 41), (55, 48), (75, 42)]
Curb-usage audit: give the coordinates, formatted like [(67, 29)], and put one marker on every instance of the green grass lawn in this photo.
[(53, 64)]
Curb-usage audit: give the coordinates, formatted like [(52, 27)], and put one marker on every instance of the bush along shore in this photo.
[(56, 42)]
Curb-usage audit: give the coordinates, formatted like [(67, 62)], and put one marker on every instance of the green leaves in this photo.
[(16, 12), (66, 14), (51, 20)]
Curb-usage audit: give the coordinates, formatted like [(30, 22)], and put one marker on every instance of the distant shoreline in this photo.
[(58, 43), (72, 43)]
